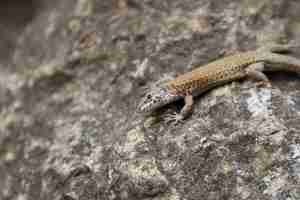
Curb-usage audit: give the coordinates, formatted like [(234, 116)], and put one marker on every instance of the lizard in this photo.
[(250, 64)]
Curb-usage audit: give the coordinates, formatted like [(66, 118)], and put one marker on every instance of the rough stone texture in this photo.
[(71, 73)]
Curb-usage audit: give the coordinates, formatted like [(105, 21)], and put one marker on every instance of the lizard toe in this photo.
[(266, 84), (174, 118)]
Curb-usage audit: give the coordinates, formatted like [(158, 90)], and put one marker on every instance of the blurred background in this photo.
[(72, 72)]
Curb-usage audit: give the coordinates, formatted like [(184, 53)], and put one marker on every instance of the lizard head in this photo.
[(155, 98)]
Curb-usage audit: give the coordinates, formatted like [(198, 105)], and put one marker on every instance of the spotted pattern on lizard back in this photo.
[(212, 74)]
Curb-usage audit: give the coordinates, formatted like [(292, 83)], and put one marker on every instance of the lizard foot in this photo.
[(174, 118), (266, 84)]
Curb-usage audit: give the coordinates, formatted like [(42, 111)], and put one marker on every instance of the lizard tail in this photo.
[(280, 62)]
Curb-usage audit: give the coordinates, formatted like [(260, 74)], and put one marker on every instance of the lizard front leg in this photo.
[(188, 106), (185, 111)]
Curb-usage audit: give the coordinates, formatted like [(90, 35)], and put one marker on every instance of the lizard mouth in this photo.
[(141, 109), (144, 107)]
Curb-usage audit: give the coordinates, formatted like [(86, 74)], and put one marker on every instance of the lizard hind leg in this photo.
[(278, 48), (255, 71)]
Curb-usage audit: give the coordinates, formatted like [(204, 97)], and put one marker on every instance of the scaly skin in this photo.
[(220, 72), (212, 74)]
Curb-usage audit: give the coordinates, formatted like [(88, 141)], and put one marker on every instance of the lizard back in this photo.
[(213, 74)]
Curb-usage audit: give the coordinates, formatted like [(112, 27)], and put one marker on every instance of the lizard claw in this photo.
[(174, 118)]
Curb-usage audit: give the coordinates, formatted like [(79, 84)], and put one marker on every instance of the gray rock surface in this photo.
[(72, 72)]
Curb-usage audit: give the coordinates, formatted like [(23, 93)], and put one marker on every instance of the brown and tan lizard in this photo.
[(249, 64)]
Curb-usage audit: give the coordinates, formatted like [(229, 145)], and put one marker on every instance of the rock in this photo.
[(72, 72)]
